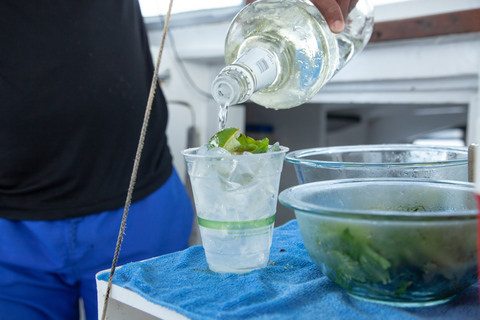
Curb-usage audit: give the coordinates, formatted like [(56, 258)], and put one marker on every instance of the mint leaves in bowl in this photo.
[(403, 242)]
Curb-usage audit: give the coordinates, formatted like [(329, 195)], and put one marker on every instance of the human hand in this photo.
[(334, 11)]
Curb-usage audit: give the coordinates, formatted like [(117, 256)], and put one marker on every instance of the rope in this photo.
[(136, 163)]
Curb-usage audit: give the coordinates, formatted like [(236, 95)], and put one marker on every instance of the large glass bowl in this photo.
[(404, 242), (389, 160)]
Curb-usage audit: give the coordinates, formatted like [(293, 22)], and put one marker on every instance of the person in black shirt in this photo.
[(74, 83)]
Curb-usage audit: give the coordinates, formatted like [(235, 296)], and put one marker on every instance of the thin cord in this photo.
[(181, 63), (136, 163)]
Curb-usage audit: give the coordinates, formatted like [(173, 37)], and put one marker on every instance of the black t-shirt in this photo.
[(74, 83)]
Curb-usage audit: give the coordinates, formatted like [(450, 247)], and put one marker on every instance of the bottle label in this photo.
[(262, 64)]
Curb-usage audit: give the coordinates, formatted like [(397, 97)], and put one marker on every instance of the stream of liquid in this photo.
[(222, 116)]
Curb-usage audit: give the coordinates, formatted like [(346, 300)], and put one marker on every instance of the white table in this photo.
[(125, 304)]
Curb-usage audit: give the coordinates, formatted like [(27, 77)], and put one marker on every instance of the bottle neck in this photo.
[(251, 72)]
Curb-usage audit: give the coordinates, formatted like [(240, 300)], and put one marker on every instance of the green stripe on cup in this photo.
[(236, 225)]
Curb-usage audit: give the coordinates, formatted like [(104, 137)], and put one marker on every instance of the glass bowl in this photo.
[(403, 242), (371, 161)]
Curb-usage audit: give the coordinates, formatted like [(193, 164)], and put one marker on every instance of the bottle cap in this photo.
[(227, 87)]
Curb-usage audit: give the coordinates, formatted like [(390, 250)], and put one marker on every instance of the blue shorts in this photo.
[(46, 266)]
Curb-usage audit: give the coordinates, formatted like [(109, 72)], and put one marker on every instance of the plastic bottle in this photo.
[(279, 53)]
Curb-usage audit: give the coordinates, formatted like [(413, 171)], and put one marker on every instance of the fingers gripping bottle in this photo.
[(279, 53)]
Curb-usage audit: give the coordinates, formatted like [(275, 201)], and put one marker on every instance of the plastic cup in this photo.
[(236, 200)]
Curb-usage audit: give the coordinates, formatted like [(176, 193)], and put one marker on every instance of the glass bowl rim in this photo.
[(287, 198), (296, 157), (190, 153)]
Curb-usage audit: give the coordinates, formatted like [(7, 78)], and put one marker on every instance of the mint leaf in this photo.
[(251, 145), (354, 259)]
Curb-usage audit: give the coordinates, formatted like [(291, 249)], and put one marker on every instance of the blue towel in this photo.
[(290, 287)]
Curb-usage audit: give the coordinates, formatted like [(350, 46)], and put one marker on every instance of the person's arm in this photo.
[(334, 11)]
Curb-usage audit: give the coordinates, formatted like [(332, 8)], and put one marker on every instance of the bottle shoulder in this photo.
[(275, 23)]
